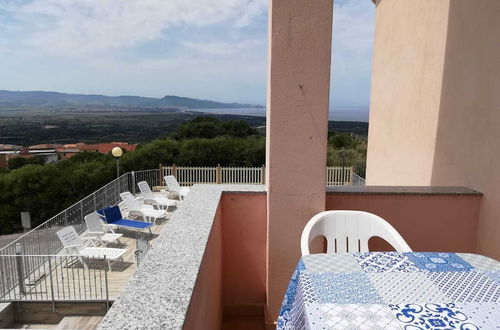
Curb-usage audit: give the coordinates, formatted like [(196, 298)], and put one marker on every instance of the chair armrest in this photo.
[(136, 213), (148, 201), (88, 233), (147, 206), (72, 250), (89, 239), (110, 227)]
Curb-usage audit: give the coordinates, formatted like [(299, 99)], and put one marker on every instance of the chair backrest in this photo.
[(93, 222), (130, 202), (111, 214), (172, 183), (349, 231), (70, 238), (145, 189)]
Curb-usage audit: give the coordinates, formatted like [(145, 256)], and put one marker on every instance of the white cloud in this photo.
[(97, 26), (225, 47)]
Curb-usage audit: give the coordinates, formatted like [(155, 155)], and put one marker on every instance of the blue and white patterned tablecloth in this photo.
[(391, 290)]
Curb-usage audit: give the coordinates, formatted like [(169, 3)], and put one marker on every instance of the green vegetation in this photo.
[(27, 127), (30, 127), (346, 149), (21, 161), (45, 190)]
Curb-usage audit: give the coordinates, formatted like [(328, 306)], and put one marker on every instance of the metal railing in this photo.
[(42, 241), (357, 180), (152, 177), (143, 245), (56, 278)]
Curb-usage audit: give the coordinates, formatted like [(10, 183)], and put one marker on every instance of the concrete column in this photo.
[(300, 33)]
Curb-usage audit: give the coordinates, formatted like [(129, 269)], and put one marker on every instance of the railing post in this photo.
[(20, 272), (133, 183), (174, 171), (52, 285), (350, 176), (263, 174), (160, 175), (106, 283), (218, 174), (81, 213)]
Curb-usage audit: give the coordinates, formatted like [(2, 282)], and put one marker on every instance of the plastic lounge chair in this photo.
[(113, 216), (349, 231), (96, 229), (150, 198), (145, 211), (71, 241), (175, 188)]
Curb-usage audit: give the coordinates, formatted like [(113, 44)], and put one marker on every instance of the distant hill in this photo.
[(16, 99)]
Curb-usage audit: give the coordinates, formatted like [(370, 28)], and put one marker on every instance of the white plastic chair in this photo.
[(174, 187), (73, 242), (150, 198), (97, 229), (145, 211), (349, 231)]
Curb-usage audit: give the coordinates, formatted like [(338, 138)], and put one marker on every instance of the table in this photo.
[(392, 290)]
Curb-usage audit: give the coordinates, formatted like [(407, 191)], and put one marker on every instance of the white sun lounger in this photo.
[(71, 241), (97, 229), (175, 188), (150, 198), (145, 211)]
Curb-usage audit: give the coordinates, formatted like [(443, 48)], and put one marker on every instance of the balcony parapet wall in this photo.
[(159, 293), (404, 190), (429, 218)]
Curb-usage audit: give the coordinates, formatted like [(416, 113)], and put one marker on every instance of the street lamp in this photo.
[(117, 152)]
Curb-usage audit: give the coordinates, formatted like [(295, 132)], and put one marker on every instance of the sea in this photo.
[(336, 113)]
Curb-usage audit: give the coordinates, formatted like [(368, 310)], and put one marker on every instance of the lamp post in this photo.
[(117, 152)]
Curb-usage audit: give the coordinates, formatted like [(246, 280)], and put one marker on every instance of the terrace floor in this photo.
[(68, 322), (68, 280)]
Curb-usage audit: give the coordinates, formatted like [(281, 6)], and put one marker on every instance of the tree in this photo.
[(238, 128), (164, 151), (89, 156), (18, 162)]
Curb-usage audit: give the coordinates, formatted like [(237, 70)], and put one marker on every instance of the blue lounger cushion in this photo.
[(132, 223), (113, 216)]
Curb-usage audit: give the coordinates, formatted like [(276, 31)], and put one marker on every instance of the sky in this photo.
[(210, 49)]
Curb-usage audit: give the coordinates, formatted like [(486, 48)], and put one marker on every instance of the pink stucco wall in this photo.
[(427, 223), (244, 233), (232, 276), (205, 308), (434, 112), (468, 134)]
